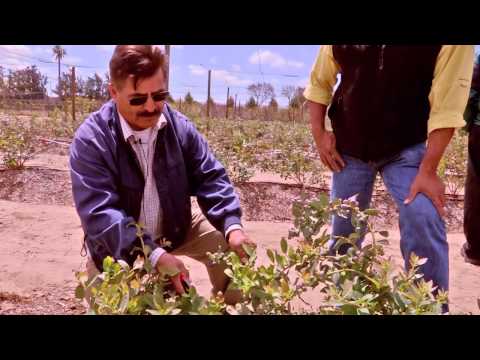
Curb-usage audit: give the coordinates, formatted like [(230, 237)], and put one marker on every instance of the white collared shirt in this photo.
[(143, 143)]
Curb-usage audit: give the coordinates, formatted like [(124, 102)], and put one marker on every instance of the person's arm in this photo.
[(97, 201), (215, 194), (319, 92), (448, 98), (472, 111), (323, 77)]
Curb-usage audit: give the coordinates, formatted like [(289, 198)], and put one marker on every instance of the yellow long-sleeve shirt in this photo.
[(448, 95)]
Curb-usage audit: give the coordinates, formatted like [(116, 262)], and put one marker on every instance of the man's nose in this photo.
[(150, 104)]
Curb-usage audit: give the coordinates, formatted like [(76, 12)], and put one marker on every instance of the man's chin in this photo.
[(148, 121)]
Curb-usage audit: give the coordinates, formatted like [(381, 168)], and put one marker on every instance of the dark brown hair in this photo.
[(137, 61), (476, 75)]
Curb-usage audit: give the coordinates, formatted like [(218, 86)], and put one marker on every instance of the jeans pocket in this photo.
[(414, 154)]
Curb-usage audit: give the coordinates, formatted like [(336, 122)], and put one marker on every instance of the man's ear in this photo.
[(113, 92)]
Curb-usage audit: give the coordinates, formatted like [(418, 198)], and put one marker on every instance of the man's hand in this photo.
[(173, 267), (326, 146), (236, 240), (427, 180), (429, 184), (325, 140)]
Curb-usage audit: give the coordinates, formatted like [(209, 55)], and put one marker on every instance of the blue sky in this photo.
[(234, 66)]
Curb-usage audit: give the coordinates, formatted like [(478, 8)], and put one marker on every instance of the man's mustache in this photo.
[(149, 114)]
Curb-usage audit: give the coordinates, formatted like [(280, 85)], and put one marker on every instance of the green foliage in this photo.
[(17, 140), (453, 166), (27, 83), (362, 281), (189, 99), (139, 290)]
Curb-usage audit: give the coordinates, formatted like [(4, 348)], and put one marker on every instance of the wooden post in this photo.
[(301, 113), (74, 91), (228, 98), (208, 92), (167, 77), (235, 106)]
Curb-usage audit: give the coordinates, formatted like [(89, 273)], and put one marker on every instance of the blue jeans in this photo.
[(422, 230)]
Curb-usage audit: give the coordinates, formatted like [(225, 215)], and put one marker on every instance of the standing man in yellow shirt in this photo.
[(471, 225), (391, 101)]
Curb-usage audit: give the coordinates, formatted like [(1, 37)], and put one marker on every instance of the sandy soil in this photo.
[(41, 238)]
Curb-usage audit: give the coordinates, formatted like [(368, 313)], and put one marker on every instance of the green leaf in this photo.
[(229, 273), (284, 245), (422, 261), (154, 312), (124, 304), (248, 250), (271, 256), (107, 263), (82, 277), (363, 311), (124, 265), (371, 212), (80, 292)]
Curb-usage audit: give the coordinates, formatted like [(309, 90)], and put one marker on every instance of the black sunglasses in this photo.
[(157, 97)]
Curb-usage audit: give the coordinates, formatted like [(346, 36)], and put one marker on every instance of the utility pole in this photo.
[(208, 92), (74, 90), (167, 75), (228, 98)]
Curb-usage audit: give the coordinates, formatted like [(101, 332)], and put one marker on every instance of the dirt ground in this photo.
[(41, 238)]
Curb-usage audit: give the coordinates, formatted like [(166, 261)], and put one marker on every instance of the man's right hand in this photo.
[(175, 268), (326, 146)]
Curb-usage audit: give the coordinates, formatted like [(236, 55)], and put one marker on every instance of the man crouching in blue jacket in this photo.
[(138, 160)]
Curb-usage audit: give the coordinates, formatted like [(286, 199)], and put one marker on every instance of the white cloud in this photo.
[(267, 57), (303, 82), (15, 57), (107, 48), (72, 60), (236, 67), (43, 51), (17, 49), (229, 78), (197, 70), (223, 76)]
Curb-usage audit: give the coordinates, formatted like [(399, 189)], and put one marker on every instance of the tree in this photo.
[(28, 83), (273, 105), (2, 82), (230, 102), (261, 92), (288, 91), (59, 53), (170, 99), (251, 103), (105, 89), (189, 99), (298, 99), (212, 103), (64, 87), (94, 88)]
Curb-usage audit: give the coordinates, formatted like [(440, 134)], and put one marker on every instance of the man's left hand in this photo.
[(429, 184), (236, 240)]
